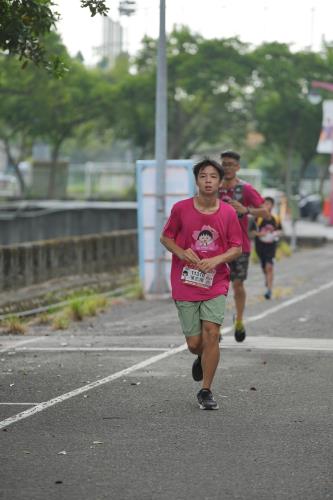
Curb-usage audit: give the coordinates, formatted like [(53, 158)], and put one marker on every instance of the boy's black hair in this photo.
[(269, 198), (230, 154), (206, 162)]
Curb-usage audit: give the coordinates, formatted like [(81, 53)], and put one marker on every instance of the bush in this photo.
[(14, 325), (60, 322)]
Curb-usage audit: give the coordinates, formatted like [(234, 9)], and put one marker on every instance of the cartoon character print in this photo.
[(269, 235), (205, 239)]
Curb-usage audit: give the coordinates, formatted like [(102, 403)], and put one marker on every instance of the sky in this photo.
[(300, 23)]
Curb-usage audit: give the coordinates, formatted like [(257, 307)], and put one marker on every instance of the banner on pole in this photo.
[(325, 143)]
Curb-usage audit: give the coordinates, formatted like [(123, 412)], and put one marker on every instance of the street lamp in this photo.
[(315, 98), (127, 7), (159, 284)]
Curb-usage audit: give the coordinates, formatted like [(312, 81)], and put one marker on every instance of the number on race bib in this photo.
[(194, 277)]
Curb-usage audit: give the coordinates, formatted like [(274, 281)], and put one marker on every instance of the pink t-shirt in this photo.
[(208, 235), (250, 198)]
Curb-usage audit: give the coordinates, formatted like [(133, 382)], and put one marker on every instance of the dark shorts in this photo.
[(239, 267), (266, 253)]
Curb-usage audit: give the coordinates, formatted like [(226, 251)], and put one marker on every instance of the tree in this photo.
[(38, 107), (16, 112), (23, 24), (281, 111), (202, 94)]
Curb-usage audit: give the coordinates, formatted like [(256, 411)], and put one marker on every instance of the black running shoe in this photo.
[(240, 333), (268, 294), (197, 369), (206, 400)]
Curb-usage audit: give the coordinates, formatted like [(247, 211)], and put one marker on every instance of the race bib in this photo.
[(194, 277), (269, 237)]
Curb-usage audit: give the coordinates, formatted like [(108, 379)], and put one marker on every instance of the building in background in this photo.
[(112, 42)]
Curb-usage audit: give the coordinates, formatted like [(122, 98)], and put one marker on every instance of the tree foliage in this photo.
[(220, 94), (24, 23)]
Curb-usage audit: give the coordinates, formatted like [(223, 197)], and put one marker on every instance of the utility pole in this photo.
[(159, 285)]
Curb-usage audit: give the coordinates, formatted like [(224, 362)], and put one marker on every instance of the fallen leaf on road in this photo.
[(62, 452), (253, 389), (135, 383), (97, 442)]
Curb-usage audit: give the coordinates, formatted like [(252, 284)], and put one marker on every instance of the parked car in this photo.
[(310, 206)]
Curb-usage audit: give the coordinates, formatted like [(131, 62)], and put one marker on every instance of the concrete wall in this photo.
[(36, 222), (30, 263)]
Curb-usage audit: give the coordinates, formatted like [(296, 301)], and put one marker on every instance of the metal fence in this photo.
[(96, 180)]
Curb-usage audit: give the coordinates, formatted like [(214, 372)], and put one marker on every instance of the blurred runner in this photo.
[(246, 201), (267, 232)]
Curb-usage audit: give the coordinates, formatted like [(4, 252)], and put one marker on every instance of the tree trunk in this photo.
[(20, 179), (18, 172), (53, 171)]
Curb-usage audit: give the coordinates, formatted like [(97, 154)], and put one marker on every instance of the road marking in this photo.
[(80, 390), (253, 342), (92, 349), (19, 404), (47, 404), (290, 302), (279, 343), (12, 345)]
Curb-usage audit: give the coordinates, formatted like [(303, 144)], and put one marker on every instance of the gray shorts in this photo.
[(239, 267)]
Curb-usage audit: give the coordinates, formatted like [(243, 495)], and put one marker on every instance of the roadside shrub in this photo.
[(60, 322), (76, 309), (14, 325)]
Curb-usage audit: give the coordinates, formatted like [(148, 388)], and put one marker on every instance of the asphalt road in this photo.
[(107, 409)]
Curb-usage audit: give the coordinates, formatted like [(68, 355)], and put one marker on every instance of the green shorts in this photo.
[(191, 314)]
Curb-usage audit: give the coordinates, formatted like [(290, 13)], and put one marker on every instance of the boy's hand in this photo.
[(240, 209), (189, 256), (206, 265)]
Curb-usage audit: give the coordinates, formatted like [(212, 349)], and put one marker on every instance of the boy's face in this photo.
[(208, 181), (268, 205), (230, 167)]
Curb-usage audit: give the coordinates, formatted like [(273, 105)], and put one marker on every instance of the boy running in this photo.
[(267, 231), (203, 234)]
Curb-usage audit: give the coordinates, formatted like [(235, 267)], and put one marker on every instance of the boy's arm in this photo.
[(188, 255), (209, 264), (256, 212)]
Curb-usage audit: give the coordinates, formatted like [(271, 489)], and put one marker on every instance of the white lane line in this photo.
[(92, 349), (19, 404), (290, 302), (12, 345), (279, 343), (47, 404), (254, 342)]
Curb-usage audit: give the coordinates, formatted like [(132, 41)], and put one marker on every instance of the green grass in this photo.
[(60, 322), (14, 325), (135, 292)]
